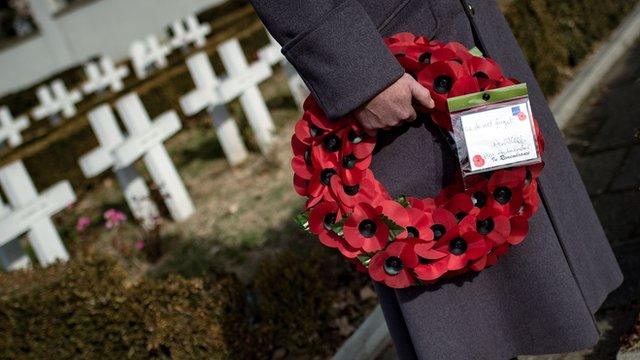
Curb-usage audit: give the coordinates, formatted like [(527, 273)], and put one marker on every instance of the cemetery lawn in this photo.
[(243, 211)]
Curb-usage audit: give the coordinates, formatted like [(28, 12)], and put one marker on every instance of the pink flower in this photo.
[(83, 223), (114, 218), (139, 245)]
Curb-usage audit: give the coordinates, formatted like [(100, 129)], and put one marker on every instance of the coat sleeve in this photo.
[(335, 47)]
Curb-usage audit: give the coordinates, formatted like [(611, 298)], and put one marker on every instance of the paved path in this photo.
[(604, 138)]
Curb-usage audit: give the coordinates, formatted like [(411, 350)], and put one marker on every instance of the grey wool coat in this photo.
[(541, 296)]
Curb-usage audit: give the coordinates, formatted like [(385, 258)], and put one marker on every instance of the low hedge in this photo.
[(87, 309), (297, 305)]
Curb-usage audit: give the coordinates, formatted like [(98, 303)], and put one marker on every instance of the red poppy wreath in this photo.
[(411, 241)]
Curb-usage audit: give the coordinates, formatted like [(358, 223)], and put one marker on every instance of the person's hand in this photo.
[(394, 105)]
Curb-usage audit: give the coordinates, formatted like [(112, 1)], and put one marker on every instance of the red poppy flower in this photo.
[(301, 161), (416, 223), (392, 266), (323, 216), (460, 50), (484, 68), (461, 205), (394, 211), (365, 229), (320, 182), (441, 78), (530, 199), (447, 193), (426, 204), (519, 229), (306, 131), (456, 249), (479, 193), (443, 222), (490, 258), (444, 54), (356, 142), (350, 195), (400, 38), (333, 240), (486, 71), (318, 118), (300, 185), (505, 188), (490, 222)]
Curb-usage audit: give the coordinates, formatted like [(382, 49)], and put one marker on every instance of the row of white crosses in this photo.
[(56, 101), (30, 213)]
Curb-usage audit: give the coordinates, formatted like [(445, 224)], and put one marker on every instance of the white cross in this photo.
[(146, 140), (189, 31), (10, 128), (206, 96), (31, 213), (54, 100), (136, 193), (243, 82), (147, 54), (271, 54), (104, 74)]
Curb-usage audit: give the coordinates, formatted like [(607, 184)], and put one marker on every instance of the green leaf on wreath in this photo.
[(476, 52), (364, 259), (402, 199), (394, 229), (302, 219), (339, 225)]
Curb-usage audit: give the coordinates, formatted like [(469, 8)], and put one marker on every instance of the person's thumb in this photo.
[(421, 95)]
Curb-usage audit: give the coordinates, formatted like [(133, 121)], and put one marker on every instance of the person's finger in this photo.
[(421, 94)]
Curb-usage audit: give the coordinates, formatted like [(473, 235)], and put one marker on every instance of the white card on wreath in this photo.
[(500, 137)]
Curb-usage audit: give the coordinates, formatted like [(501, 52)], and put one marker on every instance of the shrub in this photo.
[(87, 309), (301, 299), (557, 35)]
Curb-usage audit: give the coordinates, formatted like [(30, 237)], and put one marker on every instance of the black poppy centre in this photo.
[(331, 143), (349, 161), (367, 228), (460, 215), (425, 58), (393, 265), (351, 190), (329, 220), (502, 194), (485, 226), (307, 156), (438, 231), (325, 176), (457, 246), (315, 131), (442, 84), (413, 232), (479, 199)]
